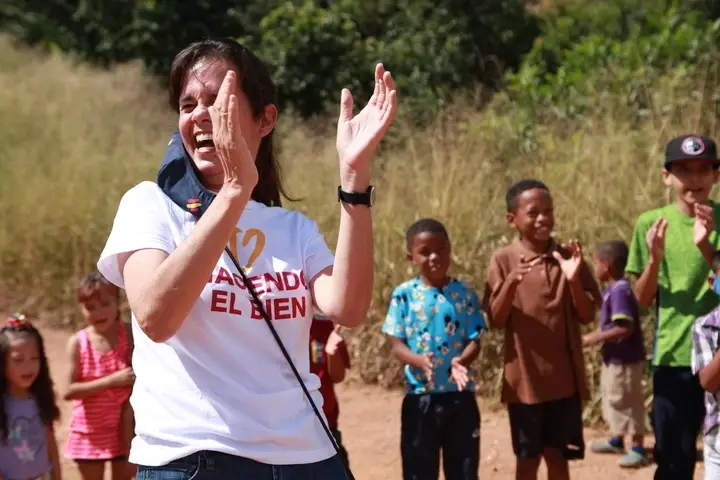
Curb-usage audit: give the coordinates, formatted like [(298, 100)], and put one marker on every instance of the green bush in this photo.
[(99, 32), (315, 47), (313, 53), (589, 51), (441, 49)]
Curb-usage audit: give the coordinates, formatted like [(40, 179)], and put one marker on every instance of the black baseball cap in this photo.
[(686, 147)]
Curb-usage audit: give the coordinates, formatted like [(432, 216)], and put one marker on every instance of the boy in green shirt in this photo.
[(670, 255)]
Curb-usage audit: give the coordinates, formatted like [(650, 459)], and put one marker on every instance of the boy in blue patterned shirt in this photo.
[(435, 323)]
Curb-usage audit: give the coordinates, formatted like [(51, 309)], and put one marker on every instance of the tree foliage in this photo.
[(314, 47), (437, 49)]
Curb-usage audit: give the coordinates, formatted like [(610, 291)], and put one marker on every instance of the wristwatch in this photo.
[(357, 198)]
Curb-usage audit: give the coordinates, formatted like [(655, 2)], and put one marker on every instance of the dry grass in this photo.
[(75, 139)]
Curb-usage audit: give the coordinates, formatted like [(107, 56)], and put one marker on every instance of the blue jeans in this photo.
[(220, 466)]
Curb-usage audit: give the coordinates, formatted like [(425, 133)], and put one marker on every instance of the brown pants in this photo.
[(623, 400)]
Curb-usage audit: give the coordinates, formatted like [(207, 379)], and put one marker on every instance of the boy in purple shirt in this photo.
[(623, 357)]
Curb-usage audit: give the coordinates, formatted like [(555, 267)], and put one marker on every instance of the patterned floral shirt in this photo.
[(705, 342), (441, 321)]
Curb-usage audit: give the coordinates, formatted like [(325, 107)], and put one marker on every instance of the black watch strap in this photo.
[(357, 198)]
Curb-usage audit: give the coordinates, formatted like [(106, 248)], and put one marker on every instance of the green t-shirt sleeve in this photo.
[(639, 251)]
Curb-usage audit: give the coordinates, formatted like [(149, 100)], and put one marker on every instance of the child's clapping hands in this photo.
[(459, 374)]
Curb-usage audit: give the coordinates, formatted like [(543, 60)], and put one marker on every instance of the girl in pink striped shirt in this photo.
[(101, 379)]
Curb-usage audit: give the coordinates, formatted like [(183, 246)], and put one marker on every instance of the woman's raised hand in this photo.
[(359, 136), (232, 150)]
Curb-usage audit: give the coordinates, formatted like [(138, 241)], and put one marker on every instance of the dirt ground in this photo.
[(370, 423)]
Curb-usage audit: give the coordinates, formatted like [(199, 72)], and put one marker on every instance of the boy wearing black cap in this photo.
[(670, 255)]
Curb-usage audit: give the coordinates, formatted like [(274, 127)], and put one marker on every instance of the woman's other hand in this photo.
[(359, 136)]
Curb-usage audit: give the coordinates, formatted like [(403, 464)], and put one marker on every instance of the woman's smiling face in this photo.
[(198, 94)]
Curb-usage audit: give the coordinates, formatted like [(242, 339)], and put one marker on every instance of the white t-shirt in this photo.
[(221, 382)]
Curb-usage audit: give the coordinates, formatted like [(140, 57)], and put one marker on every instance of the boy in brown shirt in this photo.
[(540, 293)]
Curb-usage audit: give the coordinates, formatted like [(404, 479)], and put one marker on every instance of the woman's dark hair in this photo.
[(42, 388), (256, 82)]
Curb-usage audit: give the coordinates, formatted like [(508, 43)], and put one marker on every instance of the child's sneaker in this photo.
[(612, 445), (637, 457)]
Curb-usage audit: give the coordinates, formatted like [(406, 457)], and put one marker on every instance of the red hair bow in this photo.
[(17, 320)]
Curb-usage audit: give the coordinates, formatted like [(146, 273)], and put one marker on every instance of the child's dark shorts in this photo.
[(556, 424)]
